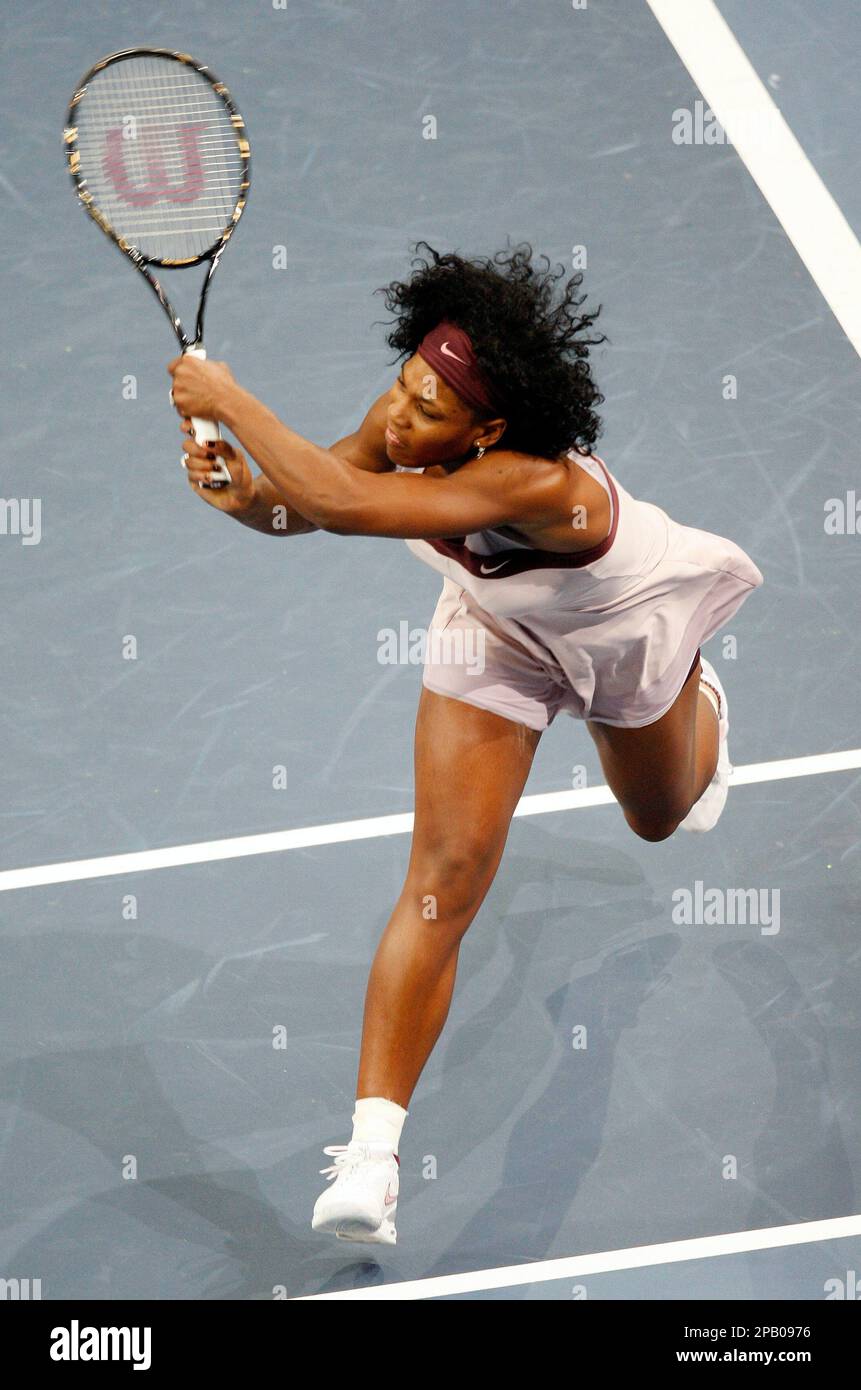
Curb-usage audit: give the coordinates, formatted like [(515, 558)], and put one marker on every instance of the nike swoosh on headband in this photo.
[(444, 348)]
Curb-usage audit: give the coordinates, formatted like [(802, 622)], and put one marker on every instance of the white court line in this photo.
[(341, 832), (577, 1266), (775, 160)]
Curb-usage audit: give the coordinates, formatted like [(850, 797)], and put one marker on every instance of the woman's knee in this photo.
[(456, 877), (656, 817), (649, 828)]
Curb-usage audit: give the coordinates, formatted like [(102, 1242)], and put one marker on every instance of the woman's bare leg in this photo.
[(657, 773), (470, 769)]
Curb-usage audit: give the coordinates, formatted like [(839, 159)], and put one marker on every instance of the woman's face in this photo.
[(428, 423)]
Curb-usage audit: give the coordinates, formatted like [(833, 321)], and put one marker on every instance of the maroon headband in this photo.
[(449, 351)]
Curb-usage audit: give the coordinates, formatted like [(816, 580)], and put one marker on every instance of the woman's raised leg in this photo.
[(658, 772)]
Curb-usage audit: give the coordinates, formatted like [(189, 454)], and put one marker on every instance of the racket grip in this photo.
[(207, 430)]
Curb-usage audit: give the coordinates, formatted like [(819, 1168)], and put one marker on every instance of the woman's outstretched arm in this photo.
[(256, 502), (335, 495)]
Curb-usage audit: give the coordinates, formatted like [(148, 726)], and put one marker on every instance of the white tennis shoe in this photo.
[(705, 813), (362, 1201)]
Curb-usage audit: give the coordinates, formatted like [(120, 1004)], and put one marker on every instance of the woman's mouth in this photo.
[(391, 437)]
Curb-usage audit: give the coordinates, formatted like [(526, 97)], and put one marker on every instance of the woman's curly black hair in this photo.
[(533, 351)]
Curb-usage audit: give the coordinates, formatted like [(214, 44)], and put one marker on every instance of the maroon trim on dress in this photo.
[(503, 563)]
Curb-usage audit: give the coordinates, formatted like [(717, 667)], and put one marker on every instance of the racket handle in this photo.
[(207, 430)]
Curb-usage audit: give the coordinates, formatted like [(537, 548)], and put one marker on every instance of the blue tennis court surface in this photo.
[(177, 1044)]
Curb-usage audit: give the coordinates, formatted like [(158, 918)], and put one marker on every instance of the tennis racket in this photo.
[(160, 160)]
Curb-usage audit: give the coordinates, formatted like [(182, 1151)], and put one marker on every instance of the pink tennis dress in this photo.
[(608, 634)]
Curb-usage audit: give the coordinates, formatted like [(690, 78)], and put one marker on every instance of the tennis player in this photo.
[(560, 592)]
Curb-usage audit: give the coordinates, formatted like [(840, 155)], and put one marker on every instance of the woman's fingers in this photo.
[(197, 465), (219, 447), (194, 451), (222, 447), (202, 480), (201, 464), (197, 475), (199, 470)]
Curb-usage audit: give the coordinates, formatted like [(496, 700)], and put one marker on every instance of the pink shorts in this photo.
[(471, 657)]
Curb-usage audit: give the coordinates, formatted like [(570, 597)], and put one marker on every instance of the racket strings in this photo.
[(160, 155)]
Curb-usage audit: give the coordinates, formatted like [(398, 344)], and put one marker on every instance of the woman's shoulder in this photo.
[(564, 502), (365, 448), (562, 460), (567, 472)]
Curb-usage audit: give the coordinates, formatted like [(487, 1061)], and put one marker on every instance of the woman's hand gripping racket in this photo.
[(160, 160)]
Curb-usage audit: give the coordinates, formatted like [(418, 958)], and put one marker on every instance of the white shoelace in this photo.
[(345, 1160)]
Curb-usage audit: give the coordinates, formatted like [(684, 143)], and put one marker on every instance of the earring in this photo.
[(481, 451)]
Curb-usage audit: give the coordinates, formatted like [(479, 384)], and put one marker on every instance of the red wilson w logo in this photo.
[(158, 184)]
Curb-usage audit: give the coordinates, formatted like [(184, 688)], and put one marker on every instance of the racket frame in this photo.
[(203, 429)]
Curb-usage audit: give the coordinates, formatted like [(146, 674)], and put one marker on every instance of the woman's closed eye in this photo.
[(424, 412)]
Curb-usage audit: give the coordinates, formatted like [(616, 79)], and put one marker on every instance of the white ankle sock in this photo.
[(378, 1121)]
